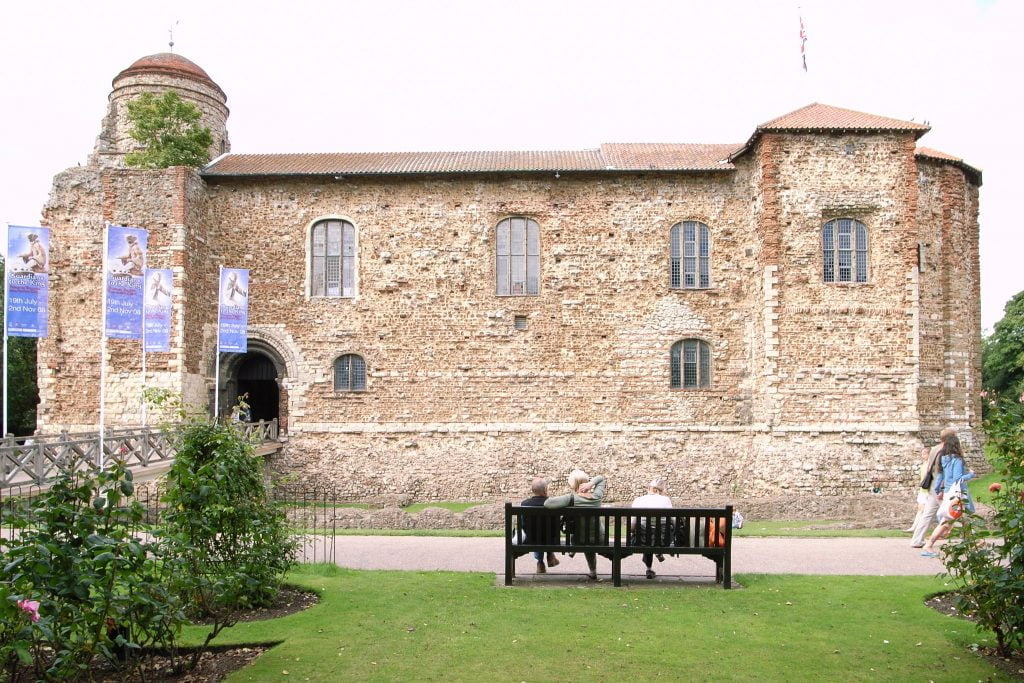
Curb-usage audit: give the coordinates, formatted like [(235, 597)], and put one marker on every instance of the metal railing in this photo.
[(38, 460)]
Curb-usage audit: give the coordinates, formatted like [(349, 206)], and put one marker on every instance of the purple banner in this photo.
[(233, 316), (28, 281), (124, 266), (159, 285)]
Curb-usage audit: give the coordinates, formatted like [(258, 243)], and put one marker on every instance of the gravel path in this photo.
[(864, 556)]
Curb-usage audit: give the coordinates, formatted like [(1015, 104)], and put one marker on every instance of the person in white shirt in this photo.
[(648, 527)]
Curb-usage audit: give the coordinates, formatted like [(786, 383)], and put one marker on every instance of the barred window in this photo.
[(517, 257), (350, 373), (844, 251), (690, 364), (333, 265), (690, 262)]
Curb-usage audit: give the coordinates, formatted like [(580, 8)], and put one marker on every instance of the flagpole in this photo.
[(216, 379), (103, 341), (145, 279), (7, 266)]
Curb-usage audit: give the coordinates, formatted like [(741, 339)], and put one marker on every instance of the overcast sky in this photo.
[(557, 74)]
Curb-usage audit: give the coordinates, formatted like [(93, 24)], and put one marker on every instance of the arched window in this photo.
[(844, 251), (690, 263), (517, 257), (690, 363), (333, 259), (350, 373)]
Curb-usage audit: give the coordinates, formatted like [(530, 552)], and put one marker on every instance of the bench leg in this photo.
[(510, 568), (616, 570)]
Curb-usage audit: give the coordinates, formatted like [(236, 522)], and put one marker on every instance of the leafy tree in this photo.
[(990, 575), (23, 391), (1003, 353), (168, 129)]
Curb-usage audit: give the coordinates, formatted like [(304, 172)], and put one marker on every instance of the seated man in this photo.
[(542, 530), (652, 530)]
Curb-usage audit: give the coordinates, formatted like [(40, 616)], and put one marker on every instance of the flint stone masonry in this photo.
[(817, 389)]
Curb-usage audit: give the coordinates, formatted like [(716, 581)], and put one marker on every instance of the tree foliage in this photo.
[(168, 129), (23, 391), (1003, 353), (990, 575)]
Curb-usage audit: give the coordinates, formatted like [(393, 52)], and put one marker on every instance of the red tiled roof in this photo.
[(169, 63), (667, 156), (824, 117), (943, 157), (611, 157)]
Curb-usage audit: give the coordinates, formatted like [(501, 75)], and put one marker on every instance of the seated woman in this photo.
[(584, 492), (652, 530)]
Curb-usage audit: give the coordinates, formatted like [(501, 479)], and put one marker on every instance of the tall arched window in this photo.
[(690, 363), (690, 263), (844, 251), (517, 257), (350, 373), (333, 259)]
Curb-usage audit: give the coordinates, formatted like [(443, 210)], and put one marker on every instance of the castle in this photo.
[(797, 312)]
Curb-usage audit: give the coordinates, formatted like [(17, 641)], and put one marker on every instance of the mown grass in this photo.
[(810, 529), (453, 506), (782, 528), (384, 626)]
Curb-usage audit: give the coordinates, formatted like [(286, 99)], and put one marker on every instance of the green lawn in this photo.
[(442, 626), (810, 529), (454, 507)]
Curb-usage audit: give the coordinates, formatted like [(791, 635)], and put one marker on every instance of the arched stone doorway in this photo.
[(257, 383), (259, 374)]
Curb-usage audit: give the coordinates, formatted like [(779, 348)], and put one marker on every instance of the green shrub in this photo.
[(96, 588), (234, 545), (990, 576)]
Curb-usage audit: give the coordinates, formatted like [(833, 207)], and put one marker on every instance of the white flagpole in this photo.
[(145, 281), (7, 265), (216, 379), (103, 340)]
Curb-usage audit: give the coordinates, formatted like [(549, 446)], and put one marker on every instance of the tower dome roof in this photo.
[(169, 64)]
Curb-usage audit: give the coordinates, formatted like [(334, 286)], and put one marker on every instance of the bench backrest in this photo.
[(706, 528)]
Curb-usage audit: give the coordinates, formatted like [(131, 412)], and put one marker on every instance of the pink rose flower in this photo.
[(30, 607), (984, 394), (992, 488)]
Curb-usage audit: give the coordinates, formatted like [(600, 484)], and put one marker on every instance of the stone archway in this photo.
[(259, 375)]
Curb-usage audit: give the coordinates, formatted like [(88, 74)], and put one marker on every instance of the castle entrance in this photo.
[(259, 375), (257, 383)]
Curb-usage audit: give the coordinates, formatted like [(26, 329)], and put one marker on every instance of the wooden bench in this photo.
[(662, 531)]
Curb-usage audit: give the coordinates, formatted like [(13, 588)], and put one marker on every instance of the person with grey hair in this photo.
[(536, 530), (647, 528), (583, 492)]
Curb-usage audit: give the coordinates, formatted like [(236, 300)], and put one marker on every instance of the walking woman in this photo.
[(950, 469), (588, 493)]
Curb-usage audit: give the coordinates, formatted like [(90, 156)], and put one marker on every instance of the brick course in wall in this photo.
[(816, 387)]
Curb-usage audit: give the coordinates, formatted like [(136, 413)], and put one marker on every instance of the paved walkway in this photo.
[(864, 556)]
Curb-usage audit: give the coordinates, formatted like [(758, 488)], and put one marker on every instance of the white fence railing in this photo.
[(37, 460)]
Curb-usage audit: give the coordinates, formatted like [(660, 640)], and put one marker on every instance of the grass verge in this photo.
[(381, 626)]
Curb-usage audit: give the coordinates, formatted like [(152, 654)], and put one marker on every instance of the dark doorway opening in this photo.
[(257, 377)]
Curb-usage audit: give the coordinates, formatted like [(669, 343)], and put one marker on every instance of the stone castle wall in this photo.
[(817, 389)]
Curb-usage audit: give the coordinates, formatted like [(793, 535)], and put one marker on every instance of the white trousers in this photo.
[(925, 520)]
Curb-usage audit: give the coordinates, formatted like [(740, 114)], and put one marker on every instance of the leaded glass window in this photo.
[(517, 257), (690, 259), (690, 364), (333, 253), (350, 373), (844, 251)]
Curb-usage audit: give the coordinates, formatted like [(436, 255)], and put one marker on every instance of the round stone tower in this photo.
[(157, 74)]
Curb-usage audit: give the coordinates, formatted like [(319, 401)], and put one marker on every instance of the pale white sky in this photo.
[(392, 75)]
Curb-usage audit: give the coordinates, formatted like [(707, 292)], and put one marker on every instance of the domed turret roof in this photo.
[(169, 64)]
